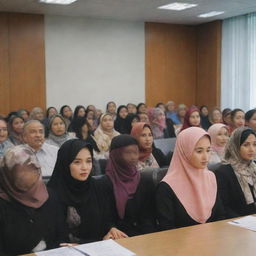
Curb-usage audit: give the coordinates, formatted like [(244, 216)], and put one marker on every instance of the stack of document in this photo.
[(102, 248), (248, 222)]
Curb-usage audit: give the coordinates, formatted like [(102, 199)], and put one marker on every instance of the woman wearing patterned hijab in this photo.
[(237, 176), (30, 217), (103, 135)]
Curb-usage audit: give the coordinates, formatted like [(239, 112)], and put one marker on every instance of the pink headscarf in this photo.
[(195, 188), (213, 131)]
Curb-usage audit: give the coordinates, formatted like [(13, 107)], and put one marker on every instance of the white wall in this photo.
[(93, 61)]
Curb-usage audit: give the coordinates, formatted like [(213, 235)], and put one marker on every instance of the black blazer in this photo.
[(231, 193)]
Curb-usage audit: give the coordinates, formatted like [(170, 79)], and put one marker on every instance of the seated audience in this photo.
[(79, 111), (30, 217), (141, 108), (188, 193), (237, 119), (250, 119), (204, 117), (192, 118), (215, 116), (181, 112), (111, 109), (4, 142), (103, 135), (50, 112), (237, 176), (84, 200), (219, 138), (143, 117), (67, 113), (132, 191), (33, 135), (131, 120), (226, 116), (24, 114), (132, 109), (161, 106), (157, 122), (37, 114), (121, 123), (92, 119), (57, 131), (91, 107), (15, 128), (149, 155), (161, 127), (83, 132), (171, 113)]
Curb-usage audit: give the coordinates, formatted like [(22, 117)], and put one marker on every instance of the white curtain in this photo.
[(238, 62)]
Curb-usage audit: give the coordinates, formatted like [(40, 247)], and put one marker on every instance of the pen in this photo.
[(78, 250)]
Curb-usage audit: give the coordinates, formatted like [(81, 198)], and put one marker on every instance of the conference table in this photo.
[(211, 239)]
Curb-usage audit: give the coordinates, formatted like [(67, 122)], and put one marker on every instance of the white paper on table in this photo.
[(102, 248), (63, 251), (248, 222), (105, 248)]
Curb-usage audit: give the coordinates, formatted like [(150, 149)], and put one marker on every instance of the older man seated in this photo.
[(33, 135)]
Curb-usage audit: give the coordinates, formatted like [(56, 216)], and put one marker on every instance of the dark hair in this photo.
[(110, 103), (122, 140), (249, 114), (12, 118), (245, 134), (159, 104), (203, 106), (48, 110), (139, 105), (234, 111), (77, 125), (78, 107), (62, 109), (226, 111), (119, 109)]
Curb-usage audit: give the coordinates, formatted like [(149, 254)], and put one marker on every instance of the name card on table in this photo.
[(102, 248)]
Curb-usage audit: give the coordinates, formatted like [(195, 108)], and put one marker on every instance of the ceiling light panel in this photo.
[(210, 14), (177, 6), (63, 2)]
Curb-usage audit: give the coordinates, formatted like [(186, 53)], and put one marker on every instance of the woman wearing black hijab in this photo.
[(83, 198), (121, 120), (132, 190)]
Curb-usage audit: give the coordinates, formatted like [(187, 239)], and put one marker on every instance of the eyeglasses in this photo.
[(3, 129)]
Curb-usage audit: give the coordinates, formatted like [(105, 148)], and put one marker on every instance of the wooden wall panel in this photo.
[(4, 73), (183, 63), (26, 61), (170, 62), (208, 64), (22, 62)]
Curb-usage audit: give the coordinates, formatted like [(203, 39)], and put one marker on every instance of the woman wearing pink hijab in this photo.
[(219, 138), (188, 193)]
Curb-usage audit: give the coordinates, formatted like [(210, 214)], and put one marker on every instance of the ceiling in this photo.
[(134, 10)]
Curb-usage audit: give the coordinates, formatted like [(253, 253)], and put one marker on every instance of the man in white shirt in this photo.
[(33, 135)]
